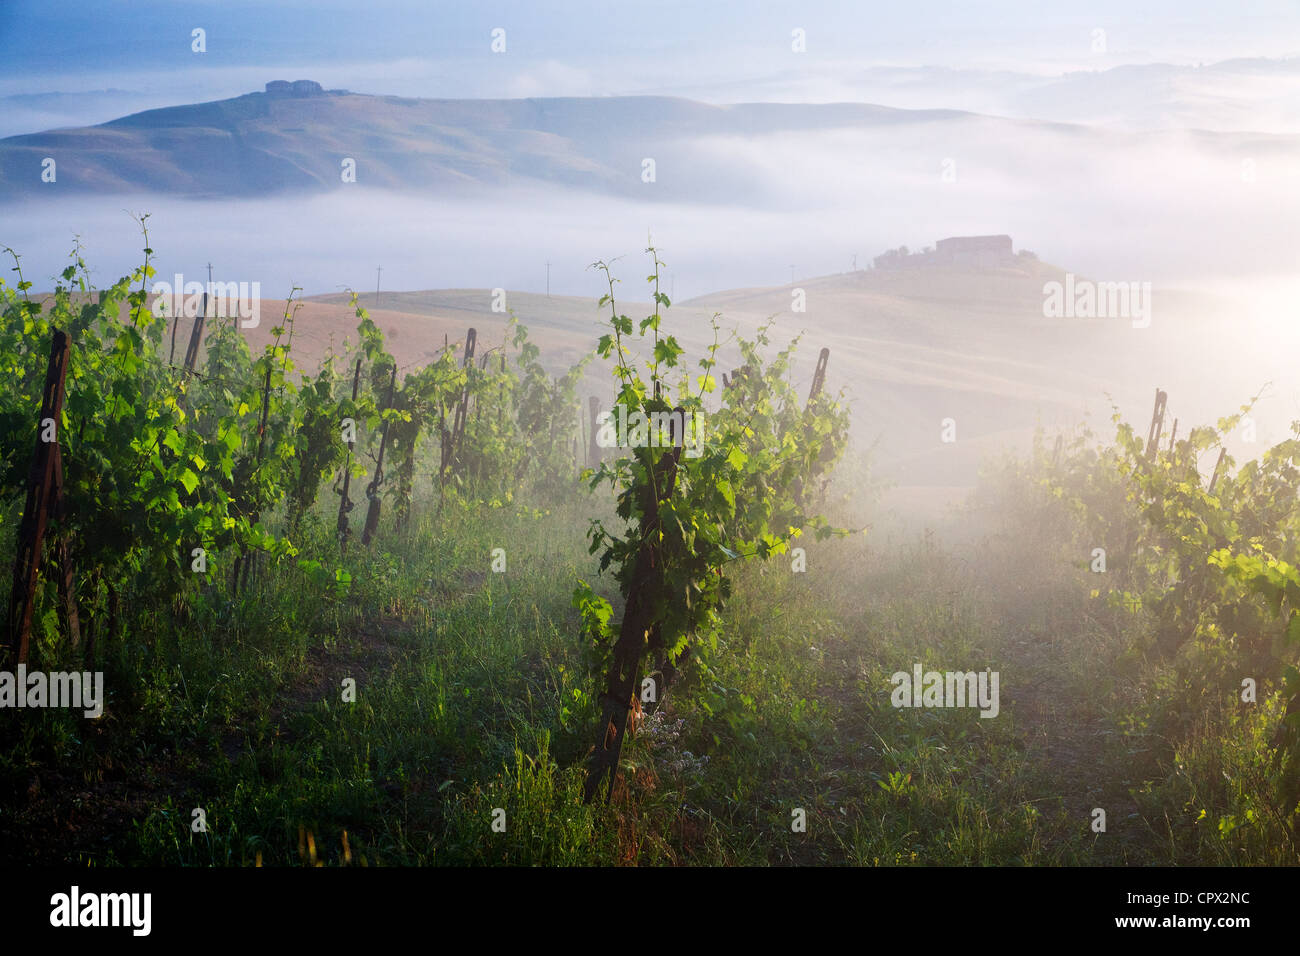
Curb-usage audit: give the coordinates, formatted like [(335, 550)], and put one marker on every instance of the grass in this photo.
[(474, 706)]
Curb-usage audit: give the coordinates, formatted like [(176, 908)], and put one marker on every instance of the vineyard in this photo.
[(529, 646)]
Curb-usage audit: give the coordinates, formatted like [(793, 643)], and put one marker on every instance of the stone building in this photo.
[(974, 252), (296, 88), (955, 252)]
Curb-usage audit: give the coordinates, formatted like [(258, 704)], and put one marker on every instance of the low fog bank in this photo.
[(731, 211), (1235, 268)]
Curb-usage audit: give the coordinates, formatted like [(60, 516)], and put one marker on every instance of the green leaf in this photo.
[(728, 493)]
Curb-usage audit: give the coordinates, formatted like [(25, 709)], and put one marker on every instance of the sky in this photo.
[(600, 47)]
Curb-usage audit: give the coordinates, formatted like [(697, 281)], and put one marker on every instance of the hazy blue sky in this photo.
[(598, 46)]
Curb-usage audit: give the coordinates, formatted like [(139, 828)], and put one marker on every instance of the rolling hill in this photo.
[(296, 138)]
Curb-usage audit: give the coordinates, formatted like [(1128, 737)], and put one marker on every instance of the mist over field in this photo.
[(733, 210), (758, 208)]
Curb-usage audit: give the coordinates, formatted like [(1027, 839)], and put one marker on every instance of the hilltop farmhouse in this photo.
[(298, 88), (956, 252)]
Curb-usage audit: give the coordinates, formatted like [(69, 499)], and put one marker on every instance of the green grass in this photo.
[(475, 703)]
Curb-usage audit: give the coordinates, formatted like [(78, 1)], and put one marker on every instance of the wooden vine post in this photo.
[(818, 383), (501, 408), (196, 336), (638, 632), (372, 489), (345, 503), (405, 484), (819, 376), (1157, 423), (244, 562), (451, 441), (478, 405), (1218, 470), (736, 375), (1152, 449), (593, 446), (44, 494), (64, 572)]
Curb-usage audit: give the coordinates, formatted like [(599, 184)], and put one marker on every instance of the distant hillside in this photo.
[(278, 141), (295, 138)]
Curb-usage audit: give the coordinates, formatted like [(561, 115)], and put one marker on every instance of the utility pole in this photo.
[(207, 292), (548, 278), (378, 272), (855, 262)]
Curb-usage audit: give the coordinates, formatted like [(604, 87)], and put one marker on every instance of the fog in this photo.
[(1210, 214), (1169, 208)]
